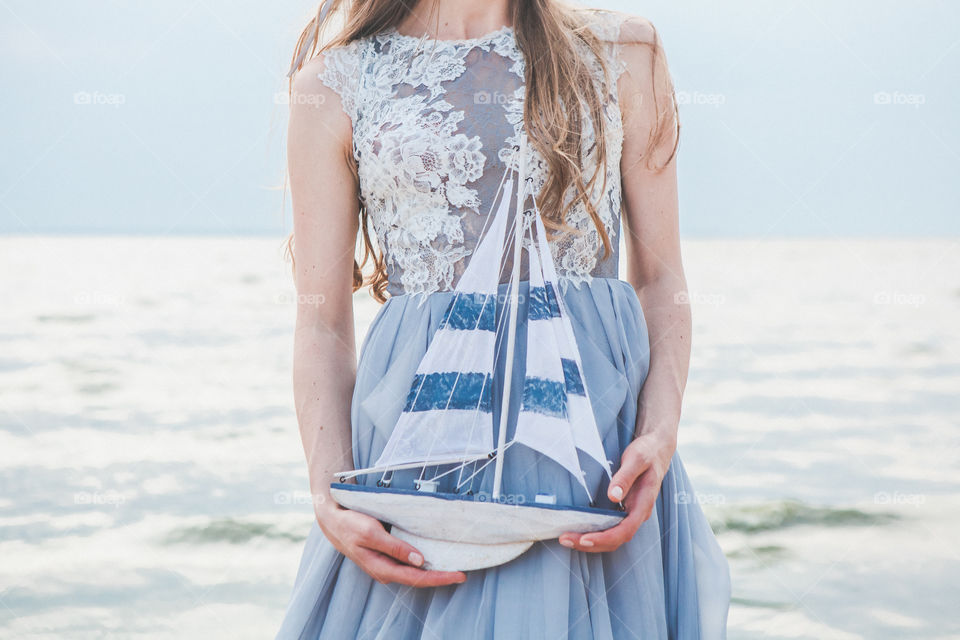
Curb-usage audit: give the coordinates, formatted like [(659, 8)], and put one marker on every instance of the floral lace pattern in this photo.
[(434, 125)]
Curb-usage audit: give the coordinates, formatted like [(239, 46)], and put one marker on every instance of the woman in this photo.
[(403, 124)]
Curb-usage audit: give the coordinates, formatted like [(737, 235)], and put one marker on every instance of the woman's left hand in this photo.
[(645, 462)]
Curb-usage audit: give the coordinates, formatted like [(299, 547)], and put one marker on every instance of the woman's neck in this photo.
[(455, 19)]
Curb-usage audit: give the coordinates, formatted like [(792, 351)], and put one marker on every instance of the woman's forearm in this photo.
[(666, 309), (324, 372)]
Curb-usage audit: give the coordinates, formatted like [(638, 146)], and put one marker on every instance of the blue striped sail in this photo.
[(448, 413), (556, 417)]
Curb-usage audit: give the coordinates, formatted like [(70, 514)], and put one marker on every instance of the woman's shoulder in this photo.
[(618, 27), (334, 68), (625, 39), (342, 58)]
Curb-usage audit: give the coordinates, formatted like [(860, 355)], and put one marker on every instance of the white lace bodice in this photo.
[(434, 126)]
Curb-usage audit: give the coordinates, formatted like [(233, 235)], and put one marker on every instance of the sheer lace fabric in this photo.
[(435, 124)]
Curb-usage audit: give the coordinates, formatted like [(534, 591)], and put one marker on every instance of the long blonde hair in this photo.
[(558, 76)]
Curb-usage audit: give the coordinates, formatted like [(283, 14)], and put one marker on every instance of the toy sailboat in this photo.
[(447, 419)]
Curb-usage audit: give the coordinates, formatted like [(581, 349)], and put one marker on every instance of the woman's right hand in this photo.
[(384, 557), (326, 220)]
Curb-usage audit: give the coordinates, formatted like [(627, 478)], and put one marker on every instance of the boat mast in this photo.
[(514, 303)]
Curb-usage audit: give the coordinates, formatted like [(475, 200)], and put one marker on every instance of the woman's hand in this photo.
[(644, 464), (384, 557), (651, 230)]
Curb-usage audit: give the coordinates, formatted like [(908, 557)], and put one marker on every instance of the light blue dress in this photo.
[(425, 116)]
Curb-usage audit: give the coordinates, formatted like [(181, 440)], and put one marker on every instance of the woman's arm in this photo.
[(325, 225), (652, 236)]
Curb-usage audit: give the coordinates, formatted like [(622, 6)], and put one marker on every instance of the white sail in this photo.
[(583, 422), (448, 411), (543, 423)]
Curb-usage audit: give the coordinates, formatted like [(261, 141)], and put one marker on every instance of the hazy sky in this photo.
[(799, 118)]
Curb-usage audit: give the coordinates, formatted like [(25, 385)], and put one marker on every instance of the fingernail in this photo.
[(566, 543), (462, 581), (415, 558), (586, 543), (616, 492)]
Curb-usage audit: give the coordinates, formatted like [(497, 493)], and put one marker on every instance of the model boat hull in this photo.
[(460, 532)]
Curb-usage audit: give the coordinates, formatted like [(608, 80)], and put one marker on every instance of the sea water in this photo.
[(153, 484)]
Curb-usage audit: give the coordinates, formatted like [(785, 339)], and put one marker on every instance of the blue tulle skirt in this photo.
[(670, 581)]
